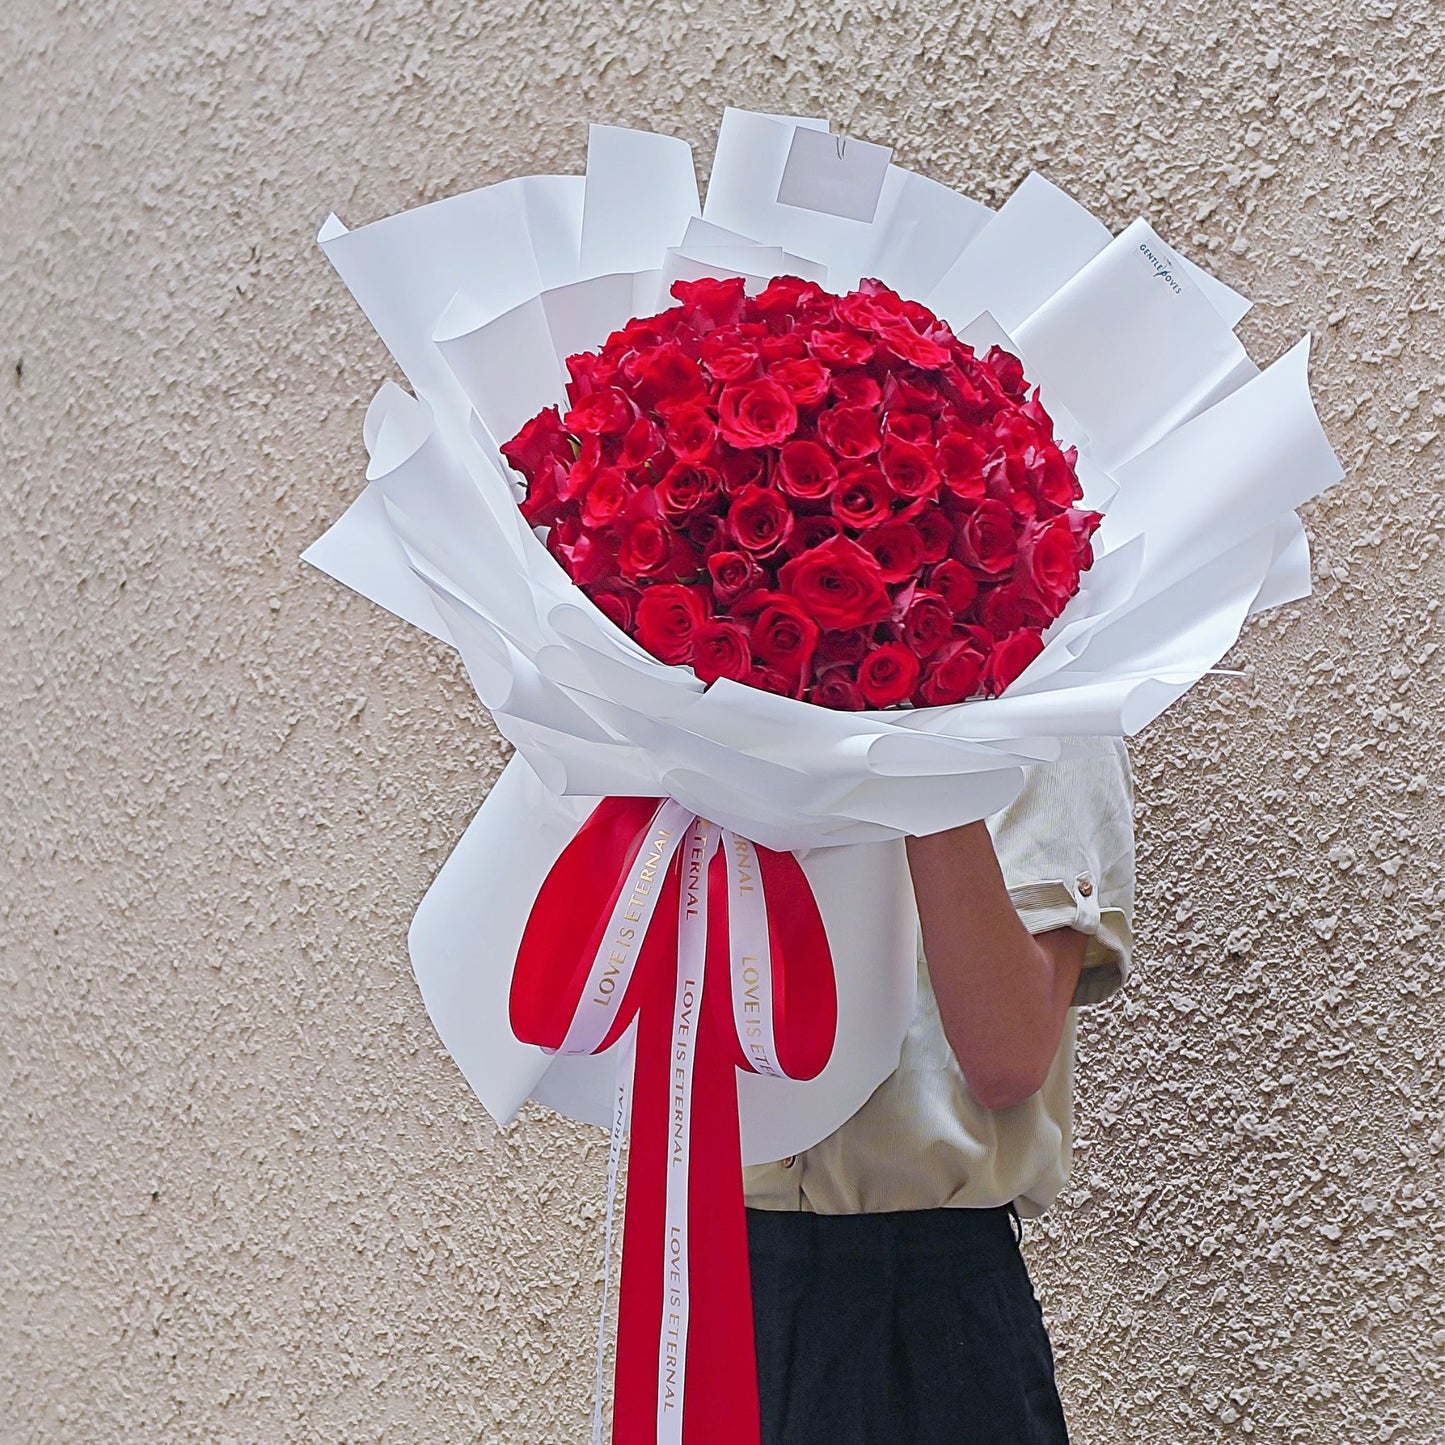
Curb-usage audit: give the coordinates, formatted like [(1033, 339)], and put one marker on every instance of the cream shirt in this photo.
[(922, 1141)]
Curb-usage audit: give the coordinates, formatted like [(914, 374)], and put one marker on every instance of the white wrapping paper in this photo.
[(1197, 458)]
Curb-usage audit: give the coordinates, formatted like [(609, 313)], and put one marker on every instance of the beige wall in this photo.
[(244, 1196)]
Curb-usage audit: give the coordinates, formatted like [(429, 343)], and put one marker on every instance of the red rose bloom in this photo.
[(733, 573), (667, 617), (1010, 657), (956, 584), (838, 688), (646, 549), (721, 649), (898, 549), (927, 624), (909, 467), (888, 674), (544, 438), (756, 414), (852, 431), (691, 433), (687, 489), (759, 520), (807, 381), (607, 412), (784, 635), (954, 675), (808, 470), (985, 538), (862, 497), (839, 583)]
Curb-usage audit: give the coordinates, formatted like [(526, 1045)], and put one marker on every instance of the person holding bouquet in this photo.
[(891, 1300)]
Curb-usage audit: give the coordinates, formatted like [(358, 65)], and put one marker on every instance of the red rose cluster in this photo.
[(829, 497)]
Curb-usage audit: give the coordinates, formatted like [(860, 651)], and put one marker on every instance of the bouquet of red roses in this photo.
[(827, 497), (799, 567)]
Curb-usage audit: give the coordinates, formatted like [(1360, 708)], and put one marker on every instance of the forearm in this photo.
[(1000, 992)]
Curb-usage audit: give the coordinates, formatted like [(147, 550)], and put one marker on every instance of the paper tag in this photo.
[(833, 174)]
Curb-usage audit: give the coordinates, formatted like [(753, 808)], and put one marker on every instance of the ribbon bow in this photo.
[(716, 948)]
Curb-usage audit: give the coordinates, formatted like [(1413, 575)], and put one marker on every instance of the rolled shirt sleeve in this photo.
[(1066, 848)]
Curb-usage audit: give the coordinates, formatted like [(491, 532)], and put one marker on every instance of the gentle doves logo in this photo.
[(1164, 267)]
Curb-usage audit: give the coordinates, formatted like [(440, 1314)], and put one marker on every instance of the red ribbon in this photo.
[(565, 932)]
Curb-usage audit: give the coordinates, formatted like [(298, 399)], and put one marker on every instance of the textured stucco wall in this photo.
[(243, 1194)]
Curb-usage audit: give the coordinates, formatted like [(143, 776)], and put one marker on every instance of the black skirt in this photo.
[(911, 1328)]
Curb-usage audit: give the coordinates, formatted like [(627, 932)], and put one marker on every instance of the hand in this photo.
[(1003, 993)]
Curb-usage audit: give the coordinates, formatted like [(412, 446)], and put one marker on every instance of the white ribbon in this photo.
[(702, 842), (751, 952), (627, 926)]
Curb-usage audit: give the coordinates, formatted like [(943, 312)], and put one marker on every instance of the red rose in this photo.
[(954, 675), (1083, 525), (1049, 562), (744, 469), (985, 538), (641, 444), (808, 531), (961, 458), (756, 414), (728, 358), (668, 615), (927, 624), (806, 470), (903, 341), (646, 548), (706, 532), (605, 498), (843, 648), (770, 679), (691, 433), (666, 378), (838, 689), (1058, 482), (733, 573), (852, 431), (862, 497), (721, 649), (759, 520), (898, 549), (586, 557), (888, 674), (786, 296), (607, 412), (856, 388), (1009, 370), (542, 439), (784, 635), (935, 529), (781, 349), (720, 302), (543, 503), (838, 583), (687, 489), (1009, 658), (853, 485), (956, 584), (909, 468), (839, 348), (912, 397), (806, 380), (618, 604), (1001, 609), (908, 426)]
